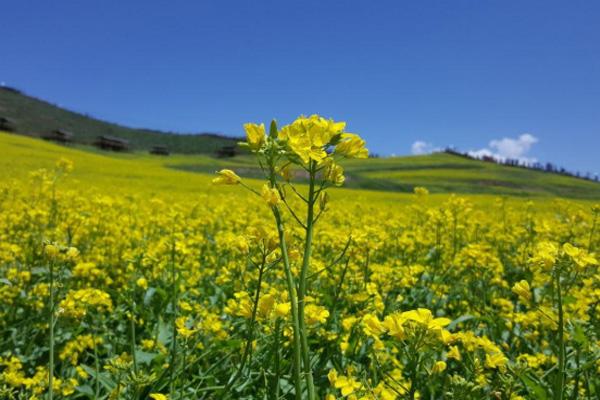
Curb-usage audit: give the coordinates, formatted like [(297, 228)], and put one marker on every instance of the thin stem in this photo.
[(281, 194), (275, 382), (299, 194), (335, 262), (174, 290), (294, 305), (561, 340), (97, 370), (303, 280), (51, 327), (132, 338)]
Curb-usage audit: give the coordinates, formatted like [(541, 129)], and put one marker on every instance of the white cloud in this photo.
[(506, 148), (420, 147)]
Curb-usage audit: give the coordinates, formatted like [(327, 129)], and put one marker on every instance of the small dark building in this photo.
[(226, 151), (60, 136), (7, 124), (160, 151), (112, 143)]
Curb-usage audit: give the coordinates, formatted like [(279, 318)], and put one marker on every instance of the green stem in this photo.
[(561, 341), (275, 384), (302, 284), (97, 369), (174, 291), (51, 327), (294, 304)]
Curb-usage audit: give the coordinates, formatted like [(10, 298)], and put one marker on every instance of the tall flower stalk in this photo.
[(313, 145)]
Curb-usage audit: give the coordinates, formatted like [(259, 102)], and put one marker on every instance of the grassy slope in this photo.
[(133, 173), (440, 173), (140, 175), (36, 117)]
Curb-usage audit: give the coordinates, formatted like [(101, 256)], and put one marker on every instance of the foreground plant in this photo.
[(314, 146)]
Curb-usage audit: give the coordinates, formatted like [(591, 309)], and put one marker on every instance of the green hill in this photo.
[(439, 172), (34, 117)]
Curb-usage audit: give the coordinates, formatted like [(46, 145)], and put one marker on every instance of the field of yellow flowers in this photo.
[(279, 290)]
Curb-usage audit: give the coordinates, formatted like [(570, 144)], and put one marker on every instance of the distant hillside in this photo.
[(34, 117), (438, 172)]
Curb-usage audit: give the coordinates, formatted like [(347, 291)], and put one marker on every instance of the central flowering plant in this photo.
[(313, 146), (313, 143)]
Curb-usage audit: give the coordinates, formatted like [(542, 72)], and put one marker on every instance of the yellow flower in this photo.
[(421, 191), (522, 290), (579, 256), (394, 325), (351, 146), (546, 253), (454, 353), (372, 326), (347, 385), (308, 138), (332, 376), (335, 174), (142, 282), (72, 253), (438, 367), (283, 309), (182, 329), (51, 251), (315, 314), (424, 317), (255, 135), (496, 360), (64, 165), (159, 396), (270, 195), (226, 177)]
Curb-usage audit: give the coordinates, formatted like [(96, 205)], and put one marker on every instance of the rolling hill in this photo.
[(441, 173), (35, 117)]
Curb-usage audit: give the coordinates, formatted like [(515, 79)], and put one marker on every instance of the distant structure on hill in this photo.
[(7, 124), (511, 162), (227, 151), (160, 151), (60, 136), (112, 143)]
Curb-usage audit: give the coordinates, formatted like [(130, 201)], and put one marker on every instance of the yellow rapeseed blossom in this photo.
[(270, 195), (255, 135), (522, 290), (438, 367), (226, 177)]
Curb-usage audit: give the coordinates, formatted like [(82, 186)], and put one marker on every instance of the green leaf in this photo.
[(534, 388), (104, 379), (85, 389), (164, 332), (144, 357), (579, 335), (148, 296), (460, 319), (5, 281)]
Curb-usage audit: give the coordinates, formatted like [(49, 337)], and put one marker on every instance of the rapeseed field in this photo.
[(121, 279)]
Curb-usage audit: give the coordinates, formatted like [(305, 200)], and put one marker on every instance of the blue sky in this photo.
[(523, 75)]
